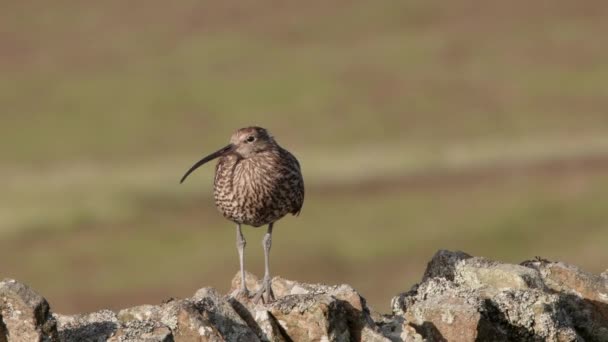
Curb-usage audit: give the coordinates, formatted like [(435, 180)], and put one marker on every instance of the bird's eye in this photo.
[(250, 138)]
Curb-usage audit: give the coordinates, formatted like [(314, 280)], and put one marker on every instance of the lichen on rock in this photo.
[(460, 298)]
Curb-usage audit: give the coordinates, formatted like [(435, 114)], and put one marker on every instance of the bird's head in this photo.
[(250, 141), (244, 143)]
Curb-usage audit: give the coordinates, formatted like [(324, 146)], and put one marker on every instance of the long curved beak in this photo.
[(221, 152)]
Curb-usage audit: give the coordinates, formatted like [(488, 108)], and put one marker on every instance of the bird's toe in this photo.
[(264, 293)]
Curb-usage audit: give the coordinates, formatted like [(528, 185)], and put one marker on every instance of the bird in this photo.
[(257, 182)]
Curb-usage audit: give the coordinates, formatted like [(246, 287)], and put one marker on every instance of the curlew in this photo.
[(257, 182)]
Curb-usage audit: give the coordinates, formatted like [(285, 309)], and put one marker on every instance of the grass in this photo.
[(475, 126)]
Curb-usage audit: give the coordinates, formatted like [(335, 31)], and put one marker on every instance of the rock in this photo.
[(530, 315), (460, 298), (396, 328), (311, 317), (219, 312), (191, 325), (443, 311), (25, 314), (476, 272), (96, 326), (142, 331), (604, 276), (443, 264), (482, 273), (565, 278), (204, 317), (583, 296), (467, 299), (343, 298), (179, 317)]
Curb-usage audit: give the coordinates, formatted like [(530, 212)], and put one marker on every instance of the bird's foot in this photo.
[(265, 292), (242, 294)]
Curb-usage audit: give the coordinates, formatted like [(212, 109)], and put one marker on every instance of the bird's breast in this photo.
[(256, 191)]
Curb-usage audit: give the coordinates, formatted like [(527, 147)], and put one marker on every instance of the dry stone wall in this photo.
[(460, 298)]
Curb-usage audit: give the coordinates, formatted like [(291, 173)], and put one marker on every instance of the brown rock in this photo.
[(192, 326), (562, 277), (267, 327), (356, 312), (220, 313), (25, 314), (311, 317), (396, 328), (283, 287), (442, 312), (584, 296), (181, 318), (251, 281)]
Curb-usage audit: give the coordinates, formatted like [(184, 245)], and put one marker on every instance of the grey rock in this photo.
[(469, 299), (443, 264), (93, 327), (460, 298), (142, 331), (482, 273)]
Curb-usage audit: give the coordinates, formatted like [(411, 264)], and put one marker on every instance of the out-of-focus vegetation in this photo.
[(475, 125)]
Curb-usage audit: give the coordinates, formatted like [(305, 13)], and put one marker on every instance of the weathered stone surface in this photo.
[(476, 272), (443, 264), (583, 296), (481, 273), (566, 278), (96, 326), (25, 314), (467, 299), (191, 325), (604, 276), (460, 298), (312, 317), (142, 331), (396, 328), (179, 317), (220, 313), (347, 300), (440, 310)]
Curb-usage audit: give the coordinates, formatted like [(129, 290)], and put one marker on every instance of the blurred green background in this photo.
[(472, 125)]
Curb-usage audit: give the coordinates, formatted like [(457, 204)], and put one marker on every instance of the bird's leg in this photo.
[(240, 245), (266, 288)]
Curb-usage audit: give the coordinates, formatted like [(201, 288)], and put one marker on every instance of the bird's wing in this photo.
[(298, 184)]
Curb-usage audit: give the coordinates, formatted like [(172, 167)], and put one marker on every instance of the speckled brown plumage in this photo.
[(259, 190), (257, 182)]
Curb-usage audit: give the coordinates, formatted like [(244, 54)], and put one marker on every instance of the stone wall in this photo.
[(460, 298)]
